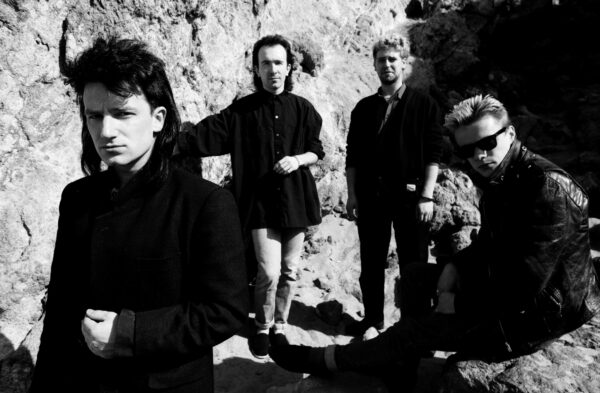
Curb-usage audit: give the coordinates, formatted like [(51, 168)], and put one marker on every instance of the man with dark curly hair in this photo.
[(148, 270), (272, 136)]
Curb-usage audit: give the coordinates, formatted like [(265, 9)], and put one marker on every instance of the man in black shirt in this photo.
[(394, 148), (272, 136)]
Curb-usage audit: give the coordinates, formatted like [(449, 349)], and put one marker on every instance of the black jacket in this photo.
[(397, 155), (168, 257), (530, 267)]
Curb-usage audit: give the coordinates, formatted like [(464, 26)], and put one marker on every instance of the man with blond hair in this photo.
[(527, 279), (394, 148)]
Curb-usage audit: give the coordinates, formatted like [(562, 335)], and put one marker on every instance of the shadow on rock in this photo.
[(307, 318), (239, 375), (15, 368)]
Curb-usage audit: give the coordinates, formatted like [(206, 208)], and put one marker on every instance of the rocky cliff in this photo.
[(537, 57)]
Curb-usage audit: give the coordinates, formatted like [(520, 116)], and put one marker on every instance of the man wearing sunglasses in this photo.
[(527, 279)]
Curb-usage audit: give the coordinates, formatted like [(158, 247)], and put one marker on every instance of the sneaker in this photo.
[(358, 328), (278, 338), (259, 345)]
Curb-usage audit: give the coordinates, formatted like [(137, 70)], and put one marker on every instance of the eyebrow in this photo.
[(116, 108)]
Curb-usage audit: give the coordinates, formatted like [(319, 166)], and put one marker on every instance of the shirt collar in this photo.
[(397, 94)]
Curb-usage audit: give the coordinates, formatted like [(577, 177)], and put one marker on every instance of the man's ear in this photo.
[(256, 71), (159, 114), (511, 132)]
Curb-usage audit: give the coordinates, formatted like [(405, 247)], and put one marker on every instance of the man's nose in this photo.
[(480, 154), (108, 129)]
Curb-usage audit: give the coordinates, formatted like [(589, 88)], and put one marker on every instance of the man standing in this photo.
[(148, 269), (394, 148), (272, 136), (527, 279)]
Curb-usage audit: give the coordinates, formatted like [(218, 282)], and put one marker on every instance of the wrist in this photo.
[(298, 161), (424, 199)]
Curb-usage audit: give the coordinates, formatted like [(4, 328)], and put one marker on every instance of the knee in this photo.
[(267, 275)]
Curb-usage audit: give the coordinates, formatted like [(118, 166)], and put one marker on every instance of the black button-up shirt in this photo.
[(258, 131)]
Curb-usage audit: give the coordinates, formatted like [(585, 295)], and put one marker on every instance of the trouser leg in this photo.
[(399, 346), (374, 232), (412, 236), (418, 286), (267, 245), (292, 241)]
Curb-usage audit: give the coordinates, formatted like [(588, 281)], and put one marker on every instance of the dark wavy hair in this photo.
[(126, 67), (272, 40)]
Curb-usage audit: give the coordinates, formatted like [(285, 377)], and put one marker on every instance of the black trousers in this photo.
[(377, 213), (395, 354)]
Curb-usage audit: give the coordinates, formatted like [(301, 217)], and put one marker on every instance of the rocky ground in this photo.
[(538, 56)]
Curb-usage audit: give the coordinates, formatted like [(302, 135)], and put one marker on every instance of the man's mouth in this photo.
[(112, 147)]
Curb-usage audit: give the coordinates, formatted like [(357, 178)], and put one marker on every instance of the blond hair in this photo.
[(472, 109), (396, 42)]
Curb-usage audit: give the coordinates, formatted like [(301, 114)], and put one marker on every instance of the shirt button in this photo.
[(277, 134), (277, 116)]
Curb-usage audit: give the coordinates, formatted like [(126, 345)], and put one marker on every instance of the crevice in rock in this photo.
[(62, 47), (29, 236)]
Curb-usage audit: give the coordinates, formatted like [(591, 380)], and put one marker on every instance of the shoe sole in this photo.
[(261, 357)]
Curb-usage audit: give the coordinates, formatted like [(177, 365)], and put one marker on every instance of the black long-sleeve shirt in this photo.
[(398, 153), (259, 130)]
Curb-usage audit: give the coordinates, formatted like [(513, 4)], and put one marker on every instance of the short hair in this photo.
[(395, 42), (472, 109), (126, 67), (272, 40)]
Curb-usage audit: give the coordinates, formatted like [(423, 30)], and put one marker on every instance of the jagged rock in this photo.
[(571, 364), (207, 47)]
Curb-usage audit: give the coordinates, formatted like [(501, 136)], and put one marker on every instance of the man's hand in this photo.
[(287, 165), (448, 281), (352, 207), (424, 211), (445, 303), (99, 330)]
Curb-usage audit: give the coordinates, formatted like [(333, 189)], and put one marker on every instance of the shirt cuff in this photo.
[(124, 337)]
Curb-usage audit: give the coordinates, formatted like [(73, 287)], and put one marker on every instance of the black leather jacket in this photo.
[(530, 268)]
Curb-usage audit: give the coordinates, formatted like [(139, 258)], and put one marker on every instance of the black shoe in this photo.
[(278, 339), (300, 359), (358, 328), (259, 345)]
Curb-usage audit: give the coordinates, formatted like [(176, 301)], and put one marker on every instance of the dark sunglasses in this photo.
[(488, 143)]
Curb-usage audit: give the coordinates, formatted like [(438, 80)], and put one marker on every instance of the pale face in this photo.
[(485, 161), (389, 66), (123, 129), (272, 68)]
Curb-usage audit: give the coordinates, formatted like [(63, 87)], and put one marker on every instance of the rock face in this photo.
[(460, 50), (571, 364)]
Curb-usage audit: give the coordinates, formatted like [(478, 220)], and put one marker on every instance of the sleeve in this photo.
[(210, 137), (61, 343), (434, 142), (313, 129), (218, 303), (352, 142)]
